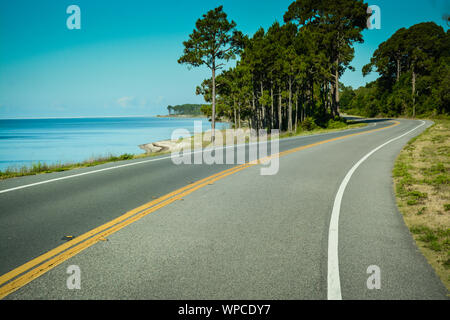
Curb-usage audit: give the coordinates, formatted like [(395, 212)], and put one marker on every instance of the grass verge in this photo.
[(422, 186), (41, 168)]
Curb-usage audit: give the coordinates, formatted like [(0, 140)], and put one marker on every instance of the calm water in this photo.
[(27, 141)]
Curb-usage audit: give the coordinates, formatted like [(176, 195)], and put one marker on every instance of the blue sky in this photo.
[(123, 61)]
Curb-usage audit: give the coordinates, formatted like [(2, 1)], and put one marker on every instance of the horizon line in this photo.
[(79, 117)]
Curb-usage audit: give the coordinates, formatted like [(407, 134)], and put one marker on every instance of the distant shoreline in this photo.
[(192, 116), (79, 117), (183, 116)]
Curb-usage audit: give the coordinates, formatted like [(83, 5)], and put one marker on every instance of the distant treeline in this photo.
[(185, 109), (414, 69)]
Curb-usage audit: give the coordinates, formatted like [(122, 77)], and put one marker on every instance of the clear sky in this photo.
[(123, 61)]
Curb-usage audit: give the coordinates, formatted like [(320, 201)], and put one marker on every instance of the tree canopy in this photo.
[(185, 109), (213, 42), (414, 69), (290, 73)]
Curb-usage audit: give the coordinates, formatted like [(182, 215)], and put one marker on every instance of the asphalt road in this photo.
[(246, 236)]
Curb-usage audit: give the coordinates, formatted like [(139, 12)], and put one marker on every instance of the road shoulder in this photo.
[(422, 185)]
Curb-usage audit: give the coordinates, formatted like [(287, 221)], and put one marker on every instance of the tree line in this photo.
[(288, 75), (414, 69), (185, 109)]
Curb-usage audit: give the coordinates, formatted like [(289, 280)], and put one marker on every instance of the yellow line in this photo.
[(53, 258), (50, 264), (8, 276)]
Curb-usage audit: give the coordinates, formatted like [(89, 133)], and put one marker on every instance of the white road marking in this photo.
[(141, 162), (333, 279)]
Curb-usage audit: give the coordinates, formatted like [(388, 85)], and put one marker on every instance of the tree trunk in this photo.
[(296, 112), (290, 107), (312, 98), (263, 117), (235, 117), (337, 106), (331, 96), (303, 111), (239, 116), (280, 124), (414, 91), (398, 70), (255, 113), (213, 120), (271, 109), (302, 108), (263, 108)]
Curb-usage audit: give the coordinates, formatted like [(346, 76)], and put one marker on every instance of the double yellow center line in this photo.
[(31, 270)]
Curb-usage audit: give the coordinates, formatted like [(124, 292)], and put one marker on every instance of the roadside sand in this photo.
[(198, 141)]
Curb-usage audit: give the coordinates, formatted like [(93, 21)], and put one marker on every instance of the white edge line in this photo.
[(333, 278), (146, 161)]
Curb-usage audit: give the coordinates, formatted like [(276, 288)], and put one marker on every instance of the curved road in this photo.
[(309, 232)]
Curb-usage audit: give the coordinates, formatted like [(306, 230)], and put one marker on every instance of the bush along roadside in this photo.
[(422, 185)]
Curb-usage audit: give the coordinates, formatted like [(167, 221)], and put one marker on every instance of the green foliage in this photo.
[(414, 69), (213, 39), (429, 236), (336, 124), (416, 195), (213, 42), (308, 124), (289, 73), (185, 109), (286, 74), (123, 157)]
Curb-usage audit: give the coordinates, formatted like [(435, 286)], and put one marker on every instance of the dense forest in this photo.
[(185, 109), (288, 76), (414, 69)]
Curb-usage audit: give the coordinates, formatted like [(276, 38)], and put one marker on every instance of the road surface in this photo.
[(309, 232)]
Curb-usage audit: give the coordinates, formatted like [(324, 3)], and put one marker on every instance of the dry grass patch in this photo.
[(422, 184)]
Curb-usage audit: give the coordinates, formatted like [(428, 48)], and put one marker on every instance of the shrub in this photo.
[(308, 124), (333, 124)]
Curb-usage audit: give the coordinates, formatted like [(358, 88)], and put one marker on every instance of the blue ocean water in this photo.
[(28, 141)]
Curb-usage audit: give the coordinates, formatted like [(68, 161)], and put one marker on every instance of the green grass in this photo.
[(437, 175), (422, 184), (333, 126), (401, 172), (435, 239), (435, 169), (40, 168)]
